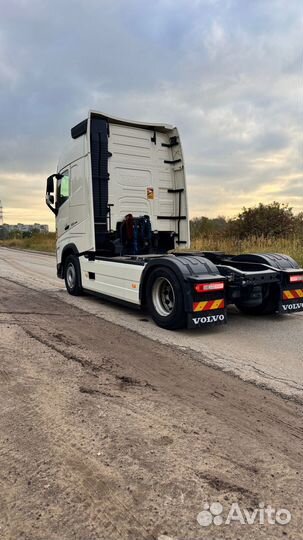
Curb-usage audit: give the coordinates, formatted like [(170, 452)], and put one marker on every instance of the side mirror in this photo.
[(50, 190), (50, 184)]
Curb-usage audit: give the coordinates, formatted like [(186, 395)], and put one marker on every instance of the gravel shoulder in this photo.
[(106, 434)]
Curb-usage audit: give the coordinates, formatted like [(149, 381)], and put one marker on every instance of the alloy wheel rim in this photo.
[(163, 296), (71, 275)]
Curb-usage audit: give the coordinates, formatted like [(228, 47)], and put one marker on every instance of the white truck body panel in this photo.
[(137, 168), (114, 279)]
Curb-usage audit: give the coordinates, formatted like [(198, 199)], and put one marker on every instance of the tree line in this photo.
[(275, 220)]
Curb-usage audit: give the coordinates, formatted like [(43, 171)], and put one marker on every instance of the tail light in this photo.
[(208, 287), (295, 278)]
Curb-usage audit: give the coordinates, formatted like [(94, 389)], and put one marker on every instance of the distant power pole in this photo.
[(1, 214)]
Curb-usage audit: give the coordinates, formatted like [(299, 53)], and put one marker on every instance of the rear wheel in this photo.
[(164, 298), (72, 275)]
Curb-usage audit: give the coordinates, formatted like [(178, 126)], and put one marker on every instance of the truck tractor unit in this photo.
[(120, 201)]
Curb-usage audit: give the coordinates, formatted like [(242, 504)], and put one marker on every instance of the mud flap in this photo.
[(206, 318), (292, 301)]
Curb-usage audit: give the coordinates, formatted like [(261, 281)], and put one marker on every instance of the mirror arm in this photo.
[(54, 210)]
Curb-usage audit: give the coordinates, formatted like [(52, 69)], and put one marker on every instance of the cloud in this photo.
[(229, 74)]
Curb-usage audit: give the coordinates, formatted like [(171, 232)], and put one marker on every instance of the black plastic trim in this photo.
[(68, 249), (173, 142), (100, 177), (79, 129), (173, 161), (171, 217), (60, 270), (154, 137), (71, 248)]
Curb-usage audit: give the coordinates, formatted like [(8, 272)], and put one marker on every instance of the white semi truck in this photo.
[(120, 201)]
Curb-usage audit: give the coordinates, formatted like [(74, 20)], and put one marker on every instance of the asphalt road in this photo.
[(263, 350)]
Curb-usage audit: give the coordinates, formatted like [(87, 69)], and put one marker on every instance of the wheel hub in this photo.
[(71, 276), (163, 296)]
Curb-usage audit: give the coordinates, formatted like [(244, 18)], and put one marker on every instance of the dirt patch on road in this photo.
[(108, 435)]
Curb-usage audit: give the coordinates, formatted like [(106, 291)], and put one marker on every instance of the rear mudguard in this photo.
[(274, 260), (206, 309)]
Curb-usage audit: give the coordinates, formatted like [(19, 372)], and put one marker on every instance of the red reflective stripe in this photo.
[(294, 293), (198, 306), (208, 306)]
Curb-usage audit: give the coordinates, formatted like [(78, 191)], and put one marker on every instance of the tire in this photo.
[(72, 276), (268, 306), (164, 299)]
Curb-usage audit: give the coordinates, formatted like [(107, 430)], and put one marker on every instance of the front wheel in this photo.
[(72, 276), (164, 298)]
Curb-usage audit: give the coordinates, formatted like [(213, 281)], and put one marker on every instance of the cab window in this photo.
[(63, 188)]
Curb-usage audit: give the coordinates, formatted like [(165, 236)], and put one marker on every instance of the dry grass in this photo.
[(292, 246), (38, 242)]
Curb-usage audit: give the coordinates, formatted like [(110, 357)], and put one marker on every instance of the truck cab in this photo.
[(115, 168)]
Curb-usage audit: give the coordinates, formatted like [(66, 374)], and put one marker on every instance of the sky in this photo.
[(228, 73)]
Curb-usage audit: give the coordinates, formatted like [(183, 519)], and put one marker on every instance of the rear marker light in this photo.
[(295, 279), (207, 287)]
